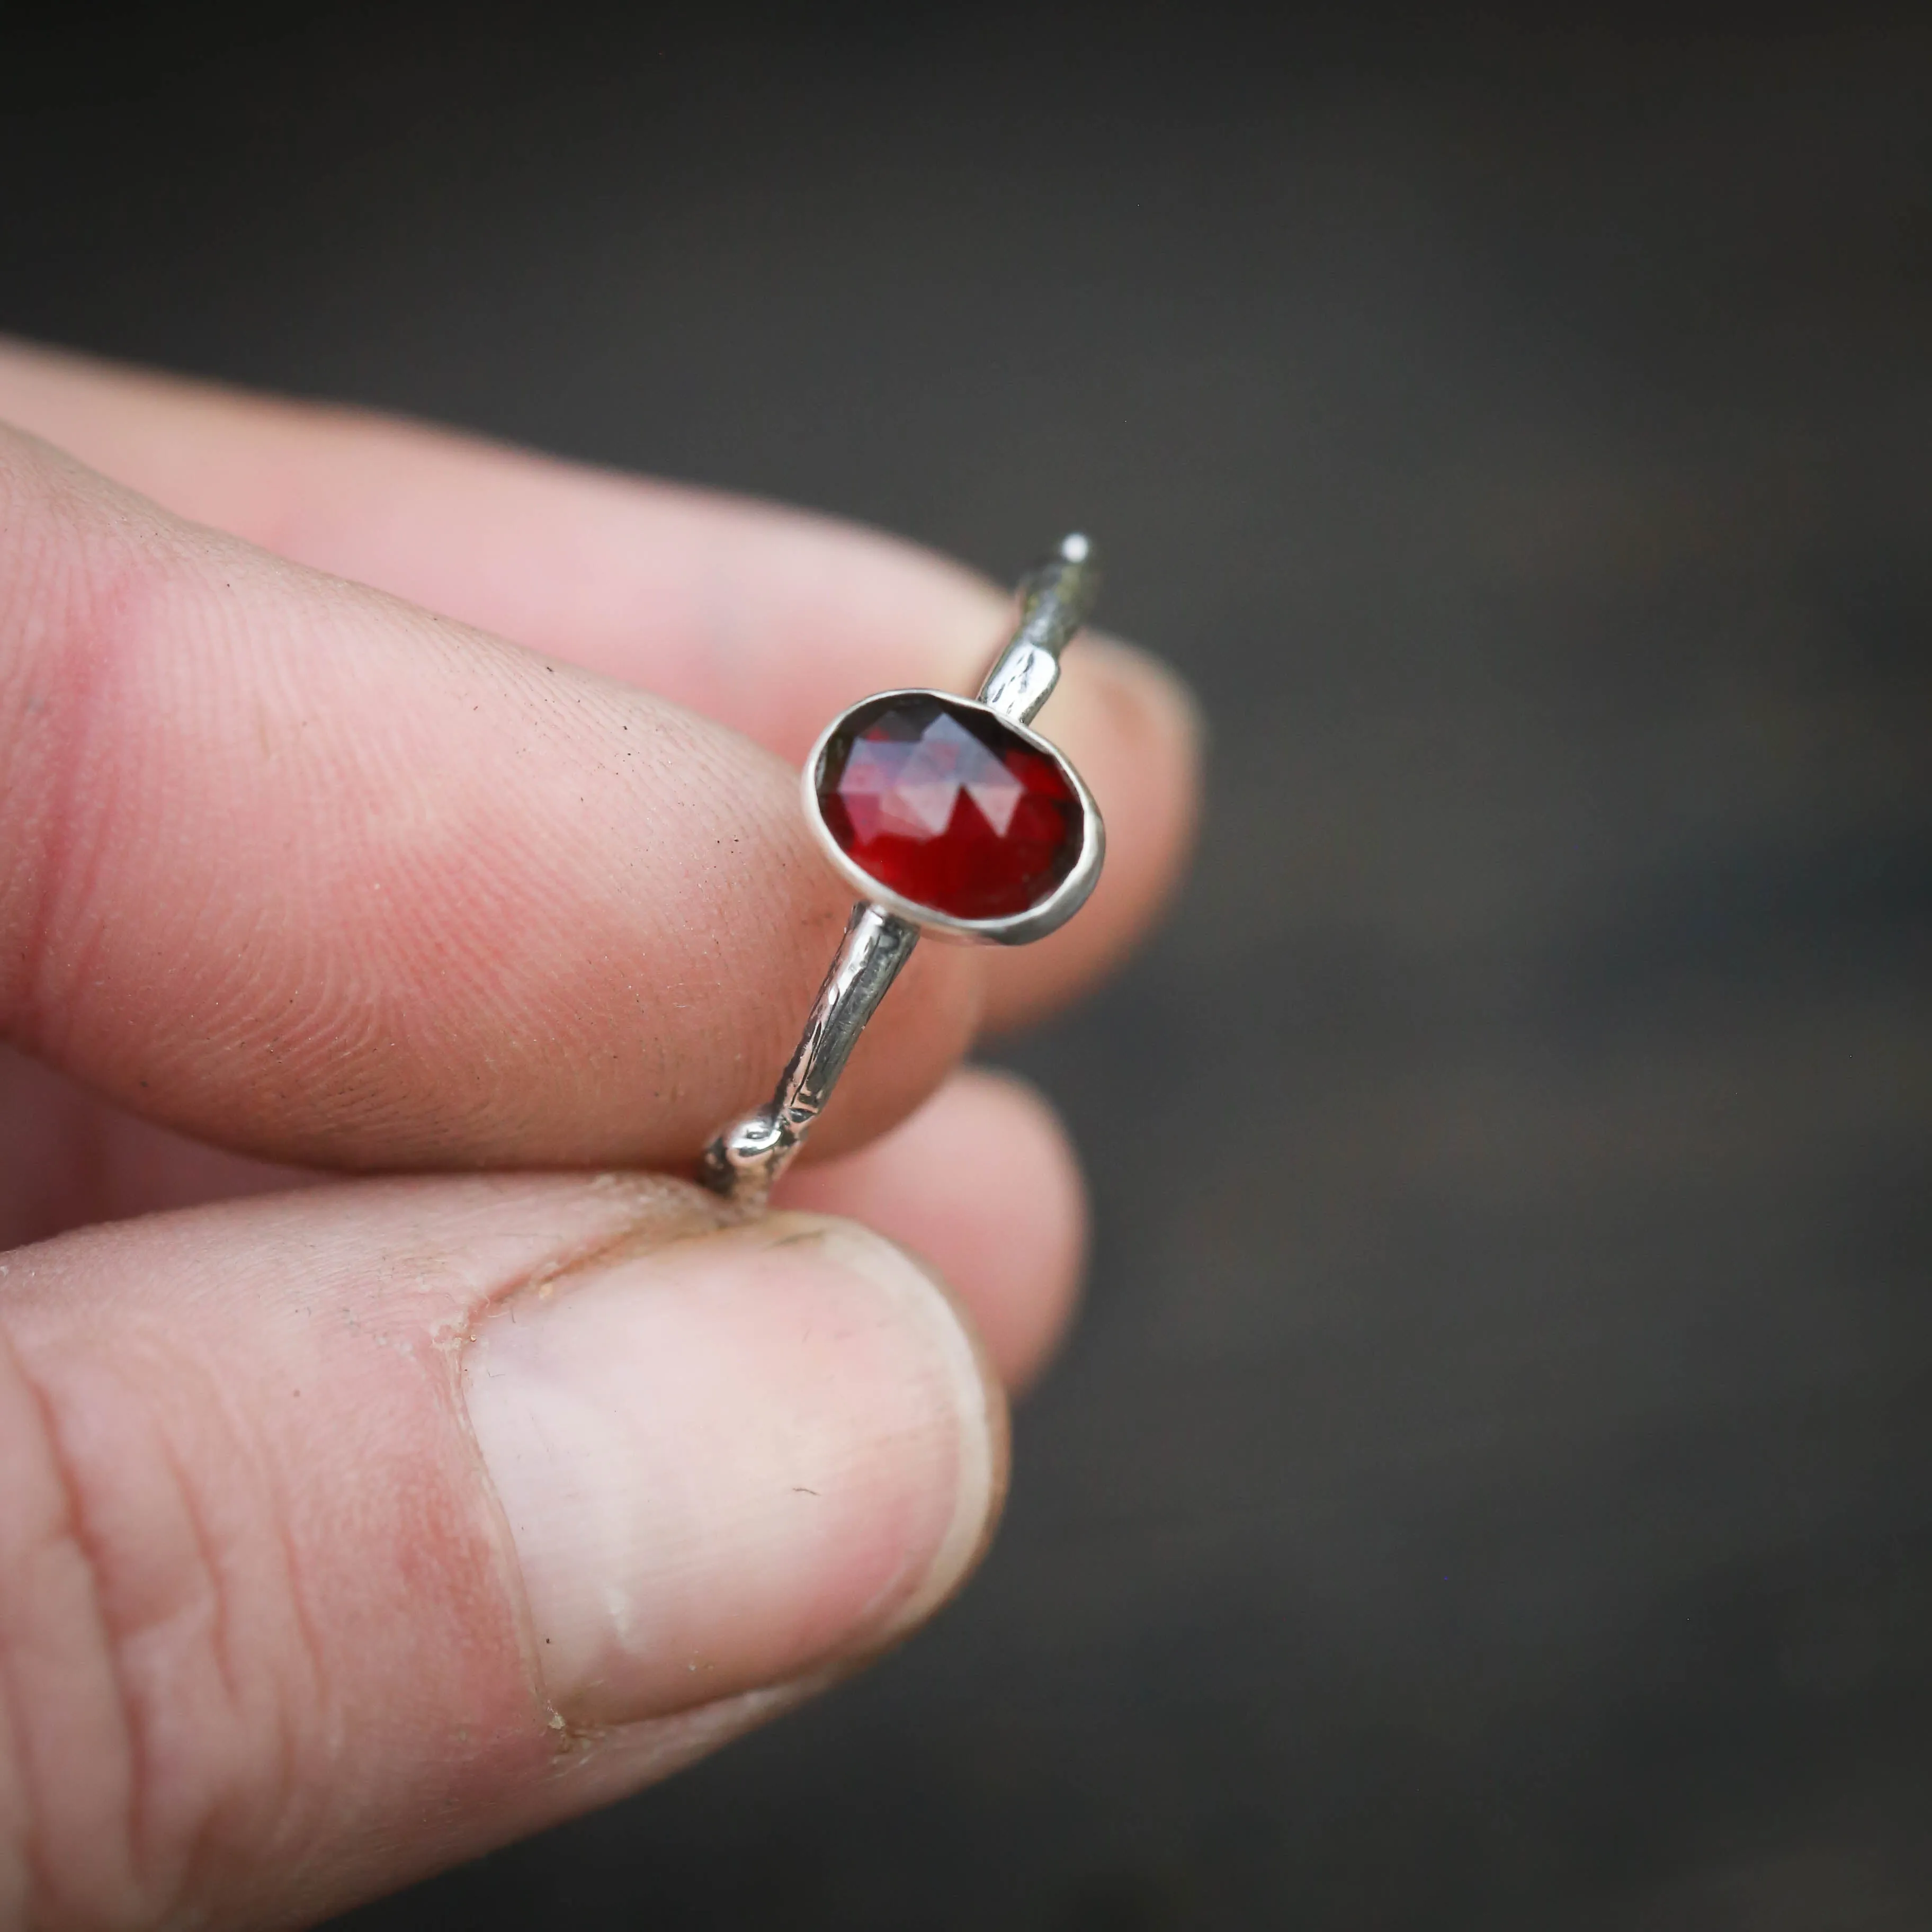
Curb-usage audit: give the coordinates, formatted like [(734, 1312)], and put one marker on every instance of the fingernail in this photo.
[(732, 1460)]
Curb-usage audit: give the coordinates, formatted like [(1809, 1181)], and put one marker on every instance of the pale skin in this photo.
[(378, 803)]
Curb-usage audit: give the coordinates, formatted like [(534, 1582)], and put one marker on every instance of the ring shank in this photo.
[(1055, 601), (744, 1160)]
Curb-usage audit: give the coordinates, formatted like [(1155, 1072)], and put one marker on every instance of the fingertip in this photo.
[(983, 1182), (1140, 680), (425, 899), (1136, 733)]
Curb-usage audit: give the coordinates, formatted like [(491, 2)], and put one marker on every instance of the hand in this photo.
[(350, 1529)]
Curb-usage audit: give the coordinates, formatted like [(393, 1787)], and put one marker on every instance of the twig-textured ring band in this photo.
[(950, 817)]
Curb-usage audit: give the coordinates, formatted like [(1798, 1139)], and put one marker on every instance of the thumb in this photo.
[(344, 1535)]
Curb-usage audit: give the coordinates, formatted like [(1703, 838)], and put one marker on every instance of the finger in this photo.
[(983, 1183), (391, 1521), (299, 869), (766, 619)]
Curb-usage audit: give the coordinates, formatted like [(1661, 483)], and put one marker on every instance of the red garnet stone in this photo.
[(948, 807)]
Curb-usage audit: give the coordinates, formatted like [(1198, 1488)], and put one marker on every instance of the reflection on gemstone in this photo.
[(949, 808)]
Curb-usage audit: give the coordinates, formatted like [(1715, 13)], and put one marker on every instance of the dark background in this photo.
[(1493, 1485)]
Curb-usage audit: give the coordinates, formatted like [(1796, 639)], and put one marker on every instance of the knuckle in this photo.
[(146, 1722)]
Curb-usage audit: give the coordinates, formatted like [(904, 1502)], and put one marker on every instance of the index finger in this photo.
[(768, 619), (303, 870)]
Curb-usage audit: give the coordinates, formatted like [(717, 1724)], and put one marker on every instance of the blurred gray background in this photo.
[(1492, 1486)]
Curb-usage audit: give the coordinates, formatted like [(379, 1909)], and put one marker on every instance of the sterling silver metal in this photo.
[(746, 1157)]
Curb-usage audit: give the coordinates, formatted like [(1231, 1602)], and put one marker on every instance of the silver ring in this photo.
[(949, 816)]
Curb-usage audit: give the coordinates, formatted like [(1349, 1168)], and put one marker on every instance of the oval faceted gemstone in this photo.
[(948, 807)]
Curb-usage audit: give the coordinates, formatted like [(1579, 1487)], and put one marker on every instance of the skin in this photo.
[(378, 803)]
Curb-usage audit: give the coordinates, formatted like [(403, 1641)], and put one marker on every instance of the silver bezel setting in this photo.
[(1019, 929)]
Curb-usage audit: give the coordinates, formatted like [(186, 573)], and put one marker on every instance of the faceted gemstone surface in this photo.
[(949, 808)]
